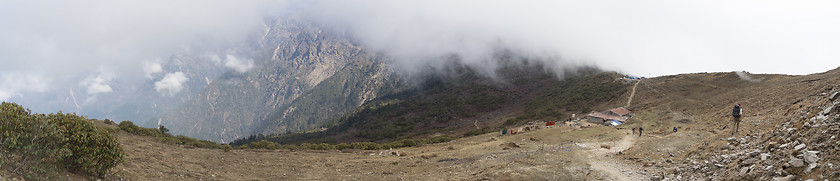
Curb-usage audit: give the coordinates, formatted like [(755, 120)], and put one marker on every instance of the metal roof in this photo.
[(607, 116), (621, 111)]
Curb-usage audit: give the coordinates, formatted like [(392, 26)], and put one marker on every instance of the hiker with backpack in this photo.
[(737, 111), (640, 131)]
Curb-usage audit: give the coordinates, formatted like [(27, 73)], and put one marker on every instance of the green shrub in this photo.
[(342, 146), (128, 126), (37, 145), (170, 140), (261, 144), (29, 143), (408, 143), (441, 139), (162, 134), (163, 130), (365, 146), (94, 150), (227, 148)]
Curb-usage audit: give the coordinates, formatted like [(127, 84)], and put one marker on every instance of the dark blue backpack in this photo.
[(736, 112)]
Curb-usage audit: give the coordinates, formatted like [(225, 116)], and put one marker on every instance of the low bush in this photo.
[(162, 134), (94, 149), (227, 148), (36, 145)]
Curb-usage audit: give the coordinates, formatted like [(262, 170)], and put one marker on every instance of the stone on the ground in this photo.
[(785, 178), (799, 147), (764, 156), (749, 161), (811, 156), (811, 167), (655, 177), (796, 162), (834, 96), (744, 170)]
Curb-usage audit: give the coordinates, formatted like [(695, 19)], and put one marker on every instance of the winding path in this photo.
[(633, 93), (603, 160)]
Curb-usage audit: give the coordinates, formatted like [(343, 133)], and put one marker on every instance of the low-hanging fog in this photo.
[(53, 52)]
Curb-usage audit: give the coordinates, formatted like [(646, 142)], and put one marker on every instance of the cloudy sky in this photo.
[(89, 45)]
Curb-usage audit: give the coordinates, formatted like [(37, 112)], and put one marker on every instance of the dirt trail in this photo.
[(603, 160), (633, 93)]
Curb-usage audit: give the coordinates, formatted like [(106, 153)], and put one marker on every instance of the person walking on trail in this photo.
[(640, 131), (634, 130), (737, 111), (675, 129)]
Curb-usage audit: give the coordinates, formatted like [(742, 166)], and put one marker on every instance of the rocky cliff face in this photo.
[(304, 76)]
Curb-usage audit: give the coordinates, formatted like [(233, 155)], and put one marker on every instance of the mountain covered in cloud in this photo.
[(301, 76), (137, 60)]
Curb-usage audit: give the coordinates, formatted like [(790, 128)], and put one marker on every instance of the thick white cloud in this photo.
[(238, 64), (17, 84), (644, 37), (99, 83), (64, 41), (171, 84), (152, 68)]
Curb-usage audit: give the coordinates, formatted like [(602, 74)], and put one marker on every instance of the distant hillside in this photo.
[(462, 100), (304, 75), (308, 77)]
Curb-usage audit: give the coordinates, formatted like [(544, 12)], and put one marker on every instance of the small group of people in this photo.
[(737, 111), (640, 130)]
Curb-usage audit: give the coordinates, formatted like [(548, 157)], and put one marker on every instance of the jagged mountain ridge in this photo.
[(309, 77), (293, 58)]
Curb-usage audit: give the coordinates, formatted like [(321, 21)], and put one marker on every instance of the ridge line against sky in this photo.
[(102, 47)]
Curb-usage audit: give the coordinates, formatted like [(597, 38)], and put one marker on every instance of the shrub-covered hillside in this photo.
[(465, 103)]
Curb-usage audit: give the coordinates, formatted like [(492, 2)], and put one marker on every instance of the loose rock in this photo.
[(796, 162), (811, 156), (799, 147), (785, 178), (764, 156)]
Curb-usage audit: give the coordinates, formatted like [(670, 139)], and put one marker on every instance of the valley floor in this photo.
[(559, 153), (784, 115)]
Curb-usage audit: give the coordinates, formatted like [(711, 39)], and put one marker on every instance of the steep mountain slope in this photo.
[(459, 100), (144, 102), (294, 58)]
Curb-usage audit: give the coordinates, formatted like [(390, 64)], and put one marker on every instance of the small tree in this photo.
[(163, 130)]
